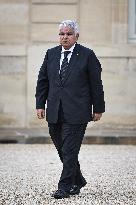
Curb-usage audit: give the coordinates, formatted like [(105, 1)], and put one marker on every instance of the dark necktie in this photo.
[(64, 65)]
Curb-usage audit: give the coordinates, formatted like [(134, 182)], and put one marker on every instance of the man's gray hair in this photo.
[(72, 24)]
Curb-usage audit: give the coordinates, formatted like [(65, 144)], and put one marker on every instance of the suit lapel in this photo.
[(57, 63), (72, 61)]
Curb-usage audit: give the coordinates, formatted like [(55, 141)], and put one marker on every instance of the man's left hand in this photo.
[(97, 116)]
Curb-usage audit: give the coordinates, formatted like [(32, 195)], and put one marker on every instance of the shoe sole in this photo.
[(61, 197), (75, 193)]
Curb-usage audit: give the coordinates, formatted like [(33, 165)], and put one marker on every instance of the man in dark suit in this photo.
[(70, 82)]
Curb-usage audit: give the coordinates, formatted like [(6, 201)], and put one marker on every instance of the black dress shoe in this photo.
[(60, 194), (74, 190), (82, 185)]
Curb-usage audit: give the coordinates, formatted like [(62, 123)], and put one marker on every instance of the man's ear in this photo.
[(77, 35)]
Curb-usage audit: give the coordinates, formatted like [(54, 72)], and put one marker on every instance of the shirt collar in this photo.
[(71, 49)]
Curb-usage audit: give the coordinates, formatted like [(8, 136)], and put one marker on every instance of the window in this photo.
[(132, 21)]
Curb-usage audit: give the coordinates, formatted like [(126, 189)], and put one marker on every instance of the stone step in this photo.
[(92, 136)]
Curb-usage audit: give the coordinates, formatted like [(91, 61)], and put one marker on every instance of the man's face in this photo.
[(67, 37)]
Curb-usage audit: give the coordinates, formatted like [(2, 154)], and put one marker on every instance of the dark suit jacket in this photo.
[(81, 89)]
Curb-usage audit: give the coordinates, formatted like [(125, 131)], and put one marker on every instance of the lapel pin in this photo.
[(77, 54)]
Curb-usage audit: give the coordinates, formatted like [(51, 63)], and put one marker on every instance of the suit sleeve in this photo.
[(97, 93), (42, 85)]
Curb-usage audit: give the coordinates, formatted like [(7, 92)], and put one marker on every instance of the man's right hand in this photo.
[(40, 113)]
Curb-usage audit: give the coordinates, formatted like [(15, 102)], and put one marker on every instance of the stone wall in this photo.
[(29, 27)]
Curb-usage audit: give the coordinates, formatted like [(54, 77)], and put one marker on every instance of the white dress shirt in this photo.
[(69, 55)]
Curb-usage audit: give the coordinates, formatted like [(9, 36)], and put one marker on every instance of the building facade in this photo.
[(29, 27)]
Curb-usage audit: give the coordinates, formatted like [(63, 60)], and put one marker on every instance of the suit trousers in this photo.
[(67, 139)]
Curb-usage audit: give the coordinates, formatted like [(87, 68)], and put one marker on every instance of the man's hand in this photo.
[(40, 113), (97, 116)]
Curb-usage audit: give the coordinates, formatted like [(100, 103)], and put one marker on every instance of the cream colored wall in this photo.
[(29, 27)]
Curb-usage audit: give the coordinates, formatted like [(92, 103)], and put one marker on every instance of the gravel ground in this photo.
[(29, 174)]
